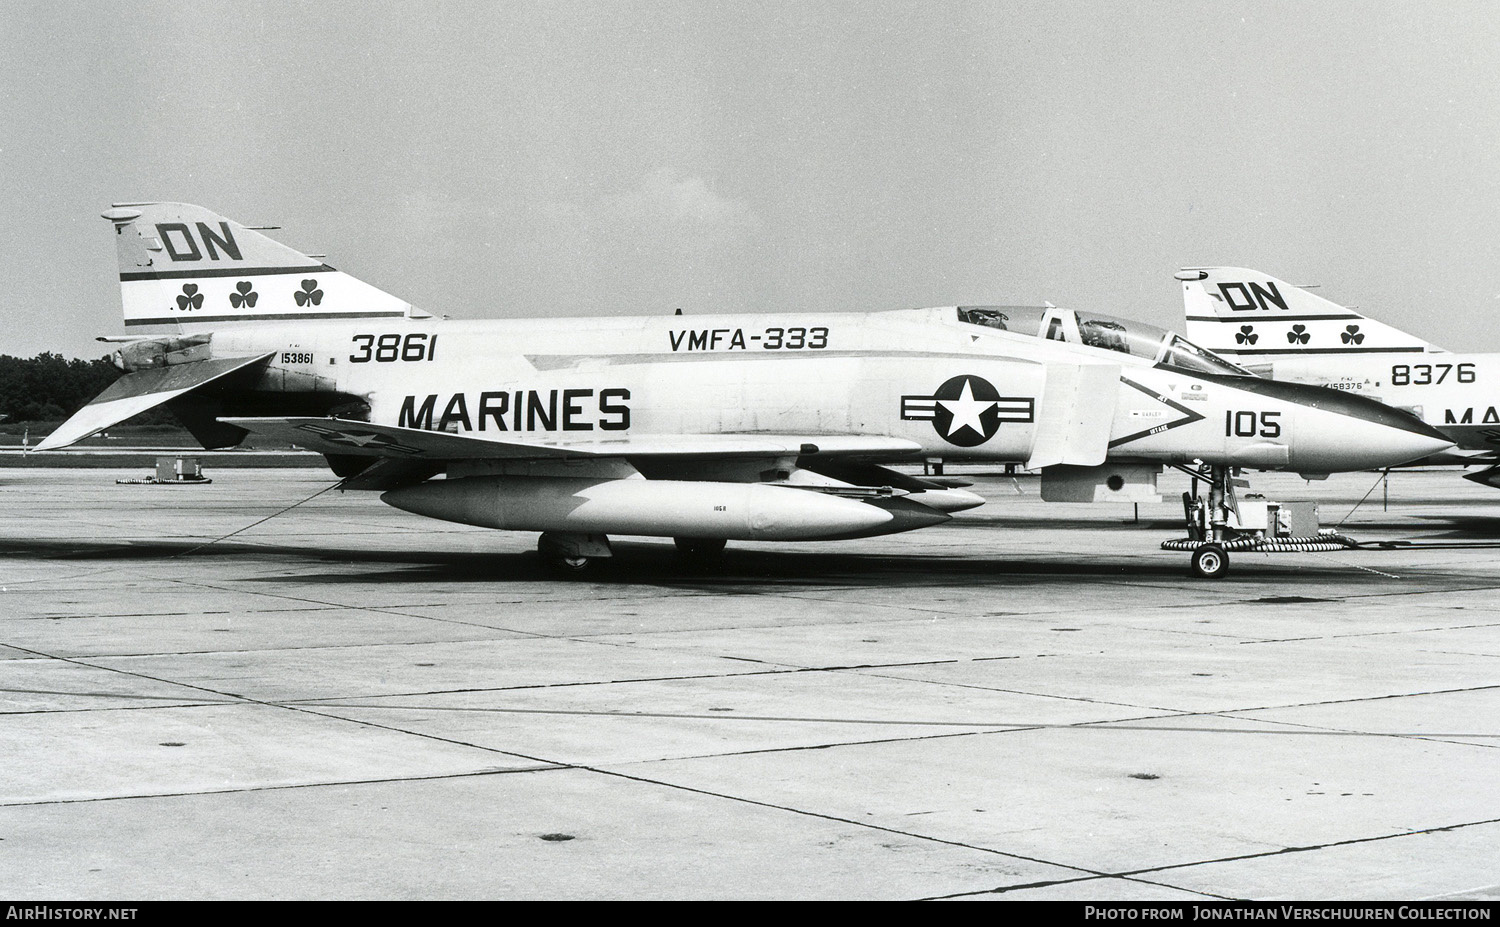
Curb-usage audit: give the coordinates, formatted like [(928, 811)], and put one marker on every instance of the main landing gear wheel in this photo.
[(1210, 561), (566, 564), (570, 552)]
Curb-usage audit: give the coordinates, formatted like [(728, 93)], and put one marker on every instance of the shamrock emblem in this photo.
[(190, 298), (1298, 335), (1246, 335), (309, 293), (1351, 335), (244, 295)]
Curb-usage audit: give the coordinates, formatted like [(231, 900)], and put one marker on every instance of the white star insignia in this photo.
[(356, 440), (966, 411)]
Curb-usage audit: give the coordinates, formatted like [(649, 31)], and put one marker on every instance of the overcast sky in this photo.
[(492, 159)]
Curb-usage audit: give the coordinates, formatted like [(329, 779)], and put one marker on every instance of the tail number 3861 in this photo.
[(385, 349), (1252, 424)]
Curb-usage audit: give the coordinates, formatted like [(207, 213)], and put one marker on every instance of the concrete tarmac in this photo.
[(1031, 702)]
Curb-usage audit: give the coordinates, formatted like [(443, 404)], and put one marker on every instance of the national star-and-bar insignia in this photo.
[(967, 410), (360, 439)]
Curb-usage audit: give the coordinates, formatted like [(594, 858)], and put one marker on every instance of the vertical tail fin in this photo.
[(184, 265), (1245, 314)]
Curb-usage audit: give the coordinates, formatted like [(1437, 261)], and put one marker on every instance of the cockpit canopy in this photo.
[(1098, 330)]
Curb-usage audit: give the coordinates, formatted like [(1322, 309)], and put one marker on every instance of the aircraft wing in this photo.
[(136, 392), (337, 436)]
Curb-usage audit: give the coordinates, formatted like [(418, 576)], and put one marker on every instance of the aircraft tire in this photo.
[(1210, 561), (563, 564)]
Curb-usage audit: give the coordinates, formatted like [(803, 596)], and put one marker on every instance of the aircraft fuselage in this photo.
[(958, 391), (1458, 394)]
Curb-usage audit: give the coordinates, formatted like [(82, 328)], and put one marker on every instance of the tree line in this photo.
[(49, 388)]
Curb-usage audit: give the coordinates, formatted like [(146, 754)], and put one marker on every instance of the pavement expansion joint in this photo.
[(830, 817), (1309, 848), (286, 787), (964, 711)]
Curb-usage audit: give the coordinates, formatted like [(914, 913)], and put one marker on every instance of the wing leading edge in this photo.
[(337, 436)]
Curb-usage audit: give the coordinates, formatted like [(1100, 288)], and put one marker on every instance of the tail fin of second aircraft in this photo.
[(184, 265), (1245, 315)]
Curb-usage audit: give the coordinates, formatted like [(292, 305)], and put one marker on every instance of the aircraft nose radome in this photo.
[(1424, 435), (1331, 442), (1409, 445), (1339, 431), (1388, 437)]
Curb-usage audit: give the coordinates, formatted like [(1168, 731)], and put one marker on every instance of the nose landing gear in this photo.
[(1210, 561), (1208, 518), (1219, 523)]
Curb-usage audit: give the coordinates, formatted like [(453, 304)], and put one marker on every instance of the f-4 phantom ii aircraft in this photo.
[(1288, 333), (702, 429)]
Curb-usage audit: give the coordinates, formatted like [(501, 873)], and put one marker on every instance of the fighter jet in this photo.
[(1291, 334), (706, 429)]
